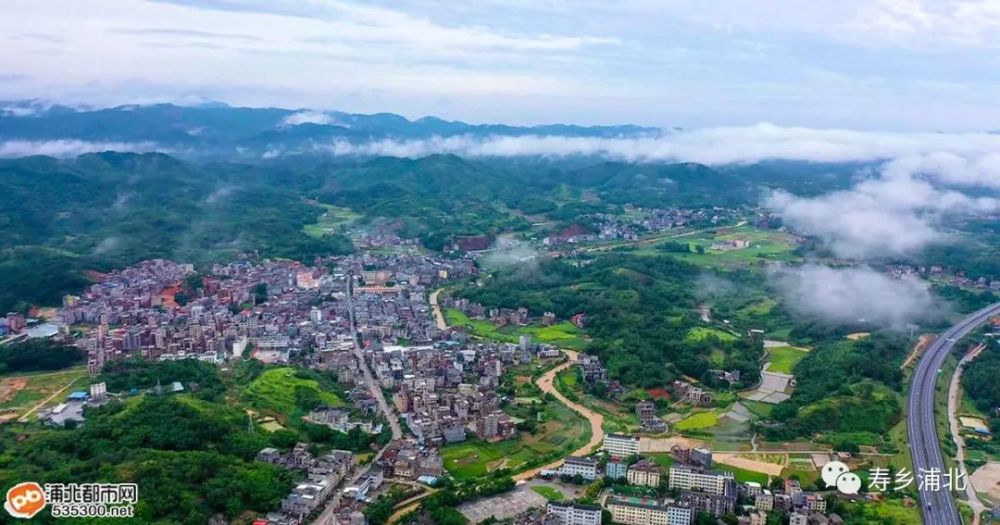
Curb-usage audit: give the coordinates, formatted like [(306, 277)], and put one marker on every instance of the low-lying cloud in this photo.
[(858, 295), (898, 212), (68, 147), (307, 117), (713, 146)]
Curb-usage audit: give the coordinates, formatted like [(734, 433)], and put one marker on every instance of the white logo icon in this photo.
[(836, 474)]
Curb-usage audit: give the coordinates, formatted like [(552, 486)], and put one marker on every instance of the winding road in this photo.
[(938, 507), (547, 384)]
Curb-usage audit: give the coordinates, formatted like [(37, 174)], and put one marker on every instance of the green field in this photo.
[(563, 334), (767, 245), (331, 221), (275, 390), (700, 333), (784, 358), (560, 432), (548, 493), (698, 421)]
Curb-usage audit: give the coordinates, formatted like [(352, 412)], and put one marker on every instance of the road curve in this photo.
[(596, 421), (937, 507)]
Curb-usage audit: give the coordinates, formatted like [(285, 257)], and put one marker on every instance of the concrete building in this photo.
[(796, 518), (616, 468), (638, 511), (621, 445), (645, 473), (764, 501), (685, 478), (574, 513), (586, 467)]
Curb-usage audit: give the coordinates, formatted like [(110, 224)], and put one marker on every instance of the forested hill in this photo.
[(59, 217), (218, 128)]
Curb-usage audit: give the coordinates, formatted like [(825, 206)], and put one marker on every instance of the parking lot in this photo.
[(502, 506)]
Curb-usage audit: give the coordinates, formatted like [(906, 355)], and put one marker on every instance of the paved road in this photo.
[(937, 507), (326, 517)]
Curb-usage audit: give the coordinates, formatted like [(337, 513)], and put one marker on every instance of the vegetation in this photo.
[(639, 310), (38, 354)]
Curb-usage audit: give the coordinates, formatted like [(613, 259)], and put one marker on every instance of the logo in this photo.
[(24, 500), (836, 474)]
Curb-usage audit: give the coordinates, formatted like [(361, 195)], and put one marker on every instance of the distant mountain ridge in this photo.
[(219, 129)]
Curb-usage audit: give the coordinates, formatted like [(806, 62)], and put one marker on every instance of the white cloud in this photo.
[(67, 147), (852, 295), (308, 117), (724, 145)]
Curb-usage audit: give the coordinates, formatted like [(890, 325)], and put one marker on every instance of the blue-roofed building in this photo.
[(79, 395)]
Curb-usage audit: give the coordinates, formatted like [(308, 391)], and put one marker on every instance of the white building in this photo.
[(684, 478), (574, 465), (574, 513), (680, 513), (620, 445), (796, 518)]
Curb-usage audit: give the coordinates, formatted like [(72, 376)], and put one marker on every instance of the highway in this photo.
[(938, 507)]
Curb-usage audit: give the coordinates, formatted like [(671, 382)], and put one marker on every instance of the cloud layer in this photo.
[(720, 145), (68, 147), (856, 295)]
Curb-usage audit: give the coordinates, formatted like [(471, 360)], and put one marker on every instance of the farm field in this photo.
[(331, 221), (698, 421), (563, 334), (700, 333), (784, 358)]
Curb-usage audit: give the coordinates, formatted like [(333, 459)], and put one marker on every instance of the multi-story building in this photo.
[(715, 504), (680, 513), (574, 513), (815, 502), (685, 478), (764, 501), (644, 473), (621, 445), (586, 467), (638, 511), (616, 468), (758, 517), (797, 518)]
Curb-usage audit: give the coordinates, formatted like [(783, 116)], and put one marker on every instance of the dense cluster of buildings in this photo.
[(162, 310)]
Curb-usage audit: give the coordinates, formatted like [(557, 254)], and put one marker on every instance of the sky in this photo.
[(890, 65)]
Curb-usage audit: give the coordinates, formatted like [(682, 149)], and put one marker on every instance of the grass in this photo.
[(548, 493), (560, 432), (744, 475), (275, 390), (41, 385), (784, 358), (331, 221), (700, 333), (564, 334), (757, 408), (764, 244), (698, 421)]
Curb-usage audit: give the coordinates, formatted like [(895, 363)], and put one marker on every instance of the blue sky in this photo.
[(861, 64)]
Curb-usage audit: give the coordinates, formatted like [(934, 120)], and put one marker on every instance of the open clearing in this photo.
[(986, 479), (20, 393), (784, 358), (275, 390), (563, 334)]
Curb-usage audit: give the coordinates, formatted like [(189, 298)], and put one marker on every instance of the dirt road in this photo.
[(954, 391), (546, 383)]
